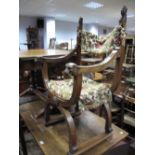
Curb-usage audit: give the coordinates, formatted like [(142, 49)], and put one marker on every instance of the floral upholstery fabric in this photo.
[(92, 93), (94, 45)]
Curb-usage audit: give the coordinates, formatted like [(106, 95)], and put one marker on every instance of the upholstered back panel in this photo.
[(93, 44)]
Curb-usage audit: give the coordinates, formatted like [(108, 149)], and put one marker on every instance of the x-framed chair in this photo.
[(70, 98)]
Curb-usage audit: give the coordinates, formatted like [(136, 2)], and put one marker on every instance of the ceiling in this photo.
[(71, 10)]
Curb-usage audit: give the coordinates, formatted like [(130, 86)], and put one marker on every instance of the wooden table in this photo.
[(28, 60), (53, 140), (120, 91), (37, 53)]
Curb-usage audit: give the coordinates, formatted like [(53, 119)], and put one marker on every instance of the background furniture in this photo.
[(128, 102), (62, 46), (129, 63), (28, 62), (32, 37), (52, 43), (128, 110)]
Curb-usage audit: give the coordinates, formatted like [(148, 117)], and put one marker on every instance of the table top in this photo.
[(53, 140), (121, 89), (36, 53)]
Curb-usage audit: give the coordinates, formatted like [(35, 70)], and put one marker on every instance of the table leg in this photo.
[(22, 140)]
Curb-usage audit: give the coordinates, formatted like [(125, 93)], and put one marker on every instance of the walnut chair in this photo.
[(71, 94)]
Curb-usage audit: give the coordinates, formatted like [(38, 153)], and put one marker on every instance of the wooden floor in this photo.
[(33, 148), (53, 140)]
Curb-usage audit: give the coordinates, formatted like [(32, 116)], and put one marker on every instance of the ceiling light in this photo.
[(93, 5)]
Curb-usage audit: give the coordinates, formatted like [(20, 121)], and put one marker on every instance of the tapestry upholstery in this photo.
[(92, 93), (96, 45)]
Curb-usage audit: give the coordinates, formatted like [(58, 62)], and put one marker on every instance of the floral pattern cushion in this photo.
[(93, 94), (95, 45)]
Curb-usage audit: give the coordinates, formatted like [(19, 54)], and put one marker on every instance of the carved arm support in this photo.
[(72, 68)]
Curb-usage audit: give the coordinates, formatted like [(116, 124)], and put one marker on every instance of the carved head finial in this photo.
[(80, 24), (123, 19), (71, 69), (124, 11)]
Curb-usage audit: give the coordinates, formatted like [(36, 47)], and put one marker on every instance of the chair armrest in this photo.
[(91, 60), (72, 68)]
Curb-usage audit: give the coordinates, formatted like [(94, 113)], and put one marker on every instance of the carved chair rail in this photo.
[(74, 69)]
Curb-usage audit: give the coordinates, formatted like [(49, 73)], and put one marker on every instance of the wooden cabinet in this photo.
[(32, 38)]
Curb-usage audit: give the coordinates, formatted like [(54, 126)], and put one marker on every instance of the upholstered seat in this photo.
[(93, 94)]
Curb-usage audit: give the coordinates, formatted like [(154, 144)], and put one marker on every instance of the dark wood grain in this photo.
[(37, 53), (55, 138)]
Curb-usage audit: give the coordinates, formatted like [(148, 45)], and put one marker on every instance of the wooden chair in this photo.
[(52, 43), (70, 98), (32, 38), (63, 46)]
